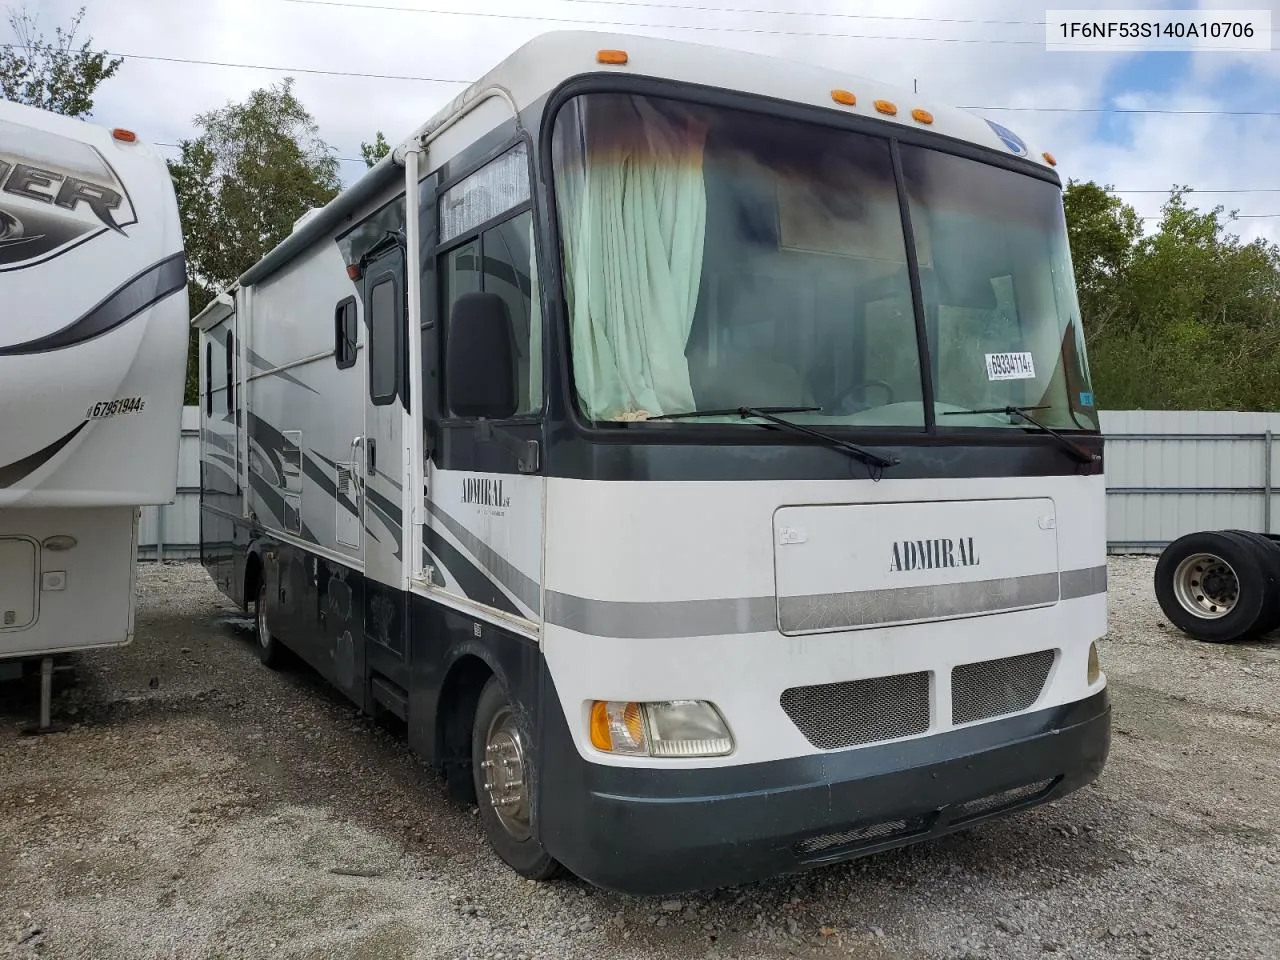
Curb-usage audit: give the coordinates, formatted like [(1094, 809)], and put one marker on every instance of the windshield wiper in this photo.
[(767, 413), (1084, 456), (732, 412)]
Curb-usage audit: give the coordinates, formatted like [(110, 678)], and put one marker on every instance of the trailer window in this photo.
[(383, 341), (231, 346), (344, 333)]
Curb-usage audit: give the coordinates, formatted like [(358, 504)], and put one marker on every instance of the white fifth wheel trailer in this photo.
[(695, 449), (94, 328)]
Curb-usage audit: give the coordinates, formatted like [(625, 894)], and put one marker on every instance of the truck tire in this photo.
[(504, 766), (1216, 586), (1269, 554)]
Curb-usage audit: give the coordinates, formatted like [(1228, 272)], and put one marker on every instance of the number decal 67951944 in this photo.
[(119, 407)]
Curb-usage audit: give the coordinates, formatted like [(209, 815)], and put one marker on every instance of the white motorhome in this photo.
[(94, 327), (695, 449)]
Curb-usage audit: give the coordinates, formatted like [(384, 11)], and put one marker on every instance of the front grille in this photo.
[(836, 715), (865, 836), (1004, 799), (994, 688)]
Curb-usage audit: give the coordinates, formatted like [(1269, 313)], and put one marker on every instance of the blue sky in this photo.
[(951, 47)]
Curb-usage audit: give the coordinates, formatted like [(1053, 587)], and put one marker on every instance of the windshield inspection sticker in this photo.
[(1010, 366)]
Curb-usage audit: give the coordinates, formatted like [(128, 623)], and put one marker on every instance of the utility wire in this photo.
[(392, 76), (835, 14), (705, 28)]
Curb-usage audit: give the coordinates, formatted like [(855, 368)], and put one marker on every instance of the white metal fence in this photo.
[(1168, 473), (1171, 472), (172, 531)]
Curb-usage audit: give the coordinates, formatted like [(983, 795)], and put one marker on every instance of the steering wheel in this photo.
[(841, 403)]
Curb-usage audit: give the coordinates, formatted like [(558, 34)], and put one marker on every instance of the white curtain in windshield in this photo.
[(632, 213)]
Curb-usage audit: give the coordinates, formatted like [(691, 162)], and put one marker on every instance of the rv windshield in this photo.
[(716, 258)]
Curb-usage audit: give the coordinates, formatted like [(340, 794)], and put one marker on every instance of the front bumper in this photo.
[(664, 831)]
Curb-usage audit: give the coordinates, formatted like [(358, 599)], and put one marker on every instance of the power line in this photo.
[(835, 14), (391, 76), (261, 66), (704, 28), (1111, 190)]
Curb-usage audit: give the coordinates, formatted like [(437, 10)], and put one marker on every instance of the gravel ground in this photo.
[(203, 806)]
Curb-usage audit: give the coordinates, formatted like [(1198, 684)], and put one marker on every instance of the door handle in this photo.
[(371, 456)]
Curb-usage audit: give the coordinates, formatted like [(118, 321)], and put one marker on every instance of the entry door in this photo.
[(384, 308)]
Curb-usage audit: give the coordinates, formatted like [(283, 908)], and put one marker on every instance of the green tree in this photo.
[(56, 74), (373, 152), (1185, 317), (253, 170)]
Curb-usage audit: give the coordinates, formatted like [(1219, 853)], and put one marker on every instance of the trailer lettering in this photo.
[(939, 554)]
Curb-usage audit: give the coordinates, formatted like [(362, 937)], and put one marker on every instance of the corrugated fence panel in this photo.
[(1169, 472), (172, 531)]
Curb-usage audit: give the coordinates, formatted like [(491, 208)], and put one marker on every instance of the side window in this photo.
[(344, 333), (208, 379), (383, 341), (231, 382), (499, 260)]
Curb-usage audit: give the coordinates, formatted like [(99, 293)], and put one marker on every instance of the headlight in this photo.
[(1095, 666), (671, 728)]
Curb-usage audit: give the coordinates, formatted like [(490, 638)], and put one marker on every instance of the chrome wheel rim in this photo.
[(1206, 586), (505, 786), (260, 613)]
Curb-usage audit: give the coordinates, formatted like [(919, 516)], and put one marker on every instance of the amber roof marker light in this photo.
[(613, 58), (123, 135), (844, 97)]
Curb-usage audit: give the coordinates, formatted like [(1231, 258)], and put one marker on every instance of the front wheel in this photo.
[(504, 771), (270, 651)]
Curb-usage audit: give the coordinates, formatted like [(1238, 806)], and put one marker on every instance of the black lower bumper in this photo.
[(656, 832)]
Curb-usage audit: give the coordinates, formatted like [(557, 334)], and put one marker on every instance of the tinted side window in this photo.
[(231, 386), (383, 346), (344, 334), (501, 261)]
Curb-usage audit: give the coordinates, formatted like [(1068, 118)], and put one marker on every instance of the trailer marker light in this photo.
[(1048, 158), (617, 58), (922, 116), (59, 542), (1095, 665), (353, 271), (125, 136), (672, 728), (886, 106), (845, 97)]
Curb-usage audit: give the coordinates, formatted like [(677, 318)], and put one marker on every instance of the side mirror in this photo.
[(480, 358)]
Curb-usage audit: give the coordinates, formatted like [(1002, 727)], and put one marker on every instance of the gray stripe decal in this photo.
[(671, 618), (1084, 583), (518, 583), (640, 620), (11, 474), (148, 288), (869, 608)]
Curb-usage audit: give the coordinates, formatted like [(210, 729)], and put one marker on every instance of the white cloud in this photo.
[(160, 99)]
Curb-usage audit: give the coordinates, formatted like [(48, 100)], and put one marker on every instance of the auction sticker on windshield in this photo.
[(1010, 366)]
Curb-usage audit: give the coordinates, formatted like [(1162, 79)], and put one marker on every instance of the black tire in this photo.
[(270, 650), (1269, 555), (1216, 586), (519, 850)]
